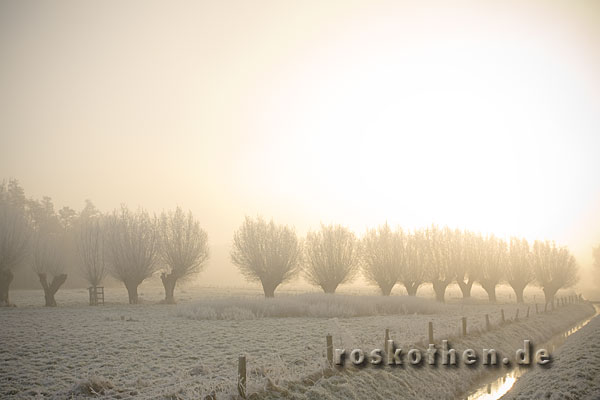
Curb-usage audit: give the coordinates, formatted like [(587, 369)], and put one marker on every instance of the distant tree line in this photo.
[(272, 254), (130, 245), (134, 245)]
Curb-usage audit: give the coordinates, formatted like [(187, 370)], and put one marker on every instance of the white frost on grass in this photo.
[(151, 351), (312, 305), (573, 374)]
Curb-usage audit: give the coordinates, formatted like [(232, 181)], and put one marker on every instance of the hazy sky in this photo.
[(482, 115)]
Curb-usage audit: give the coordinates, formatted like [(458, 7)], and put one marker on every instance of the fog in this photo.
[(476, 116), (219, 199)]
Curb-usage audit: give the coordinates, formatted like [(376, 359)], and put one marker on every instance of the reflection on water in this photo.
[(498, 387)]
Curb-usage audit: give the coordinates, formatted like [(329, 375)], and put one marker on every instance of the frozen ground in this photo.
[(160, 351), (575, 372)]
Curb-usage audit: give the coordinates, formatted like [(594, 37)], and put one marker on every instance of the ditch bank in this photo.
[(437, 381), (575, 372)]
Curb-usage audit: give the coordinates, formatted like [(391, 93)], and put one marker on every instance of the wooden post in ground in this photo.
[(502, 314), (464, 326), (387, 337), (241, 383), (430, 332), (329, 350), (487, 322)]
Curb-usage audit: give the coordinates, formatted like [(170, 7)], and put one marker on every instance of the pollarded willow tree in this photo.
[(131, 248), (437, 259), (49, 260), (266, 252), (492, 268), (554, 268), (183, 249), (14, 241), (412, 273), (89, 240), (331, 257), (518, 269), (472, 257), (382, 255)]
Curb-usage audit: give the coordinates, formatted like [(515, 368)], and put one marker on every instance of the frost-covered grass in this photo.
[(443, 382), (312, 305), (154, 351), (574, 373)]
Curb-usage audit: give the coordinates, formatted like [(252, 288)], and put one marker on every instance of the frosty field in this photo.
[(576, 374), (191, 349)]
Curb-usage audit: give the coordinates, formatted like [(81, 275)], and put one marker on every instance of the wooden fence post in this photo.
[(387, 337), (242, 376), (430, 331), (330, 350)]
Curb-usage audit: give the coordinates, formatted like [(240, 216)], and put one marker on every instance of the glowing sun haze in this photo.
[(481, 115)]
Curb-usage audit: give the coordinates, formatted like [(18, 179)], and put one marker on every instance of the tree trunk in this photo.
[(519, 289), (169, 281), (439, 287), (50, 290), (465, 288), (6, 278), (132, 292), (386, 288), (490, 288), (329, 288), (269, 290), (549, 295), (411, 288)]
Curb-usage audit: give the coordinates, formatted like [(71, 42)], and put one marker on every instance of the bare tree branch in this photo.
[(132, 246), (14, 245), (184, 249), (267, 253), (554, 268), (90, 247), (331, 257)]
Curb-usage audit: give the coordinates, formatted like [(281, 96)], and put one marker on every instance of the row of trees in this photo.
[(272, 254), (131, 246)]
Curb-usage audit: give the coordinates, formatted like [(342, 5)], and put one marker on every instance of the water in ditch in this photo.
[(499, 386)]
